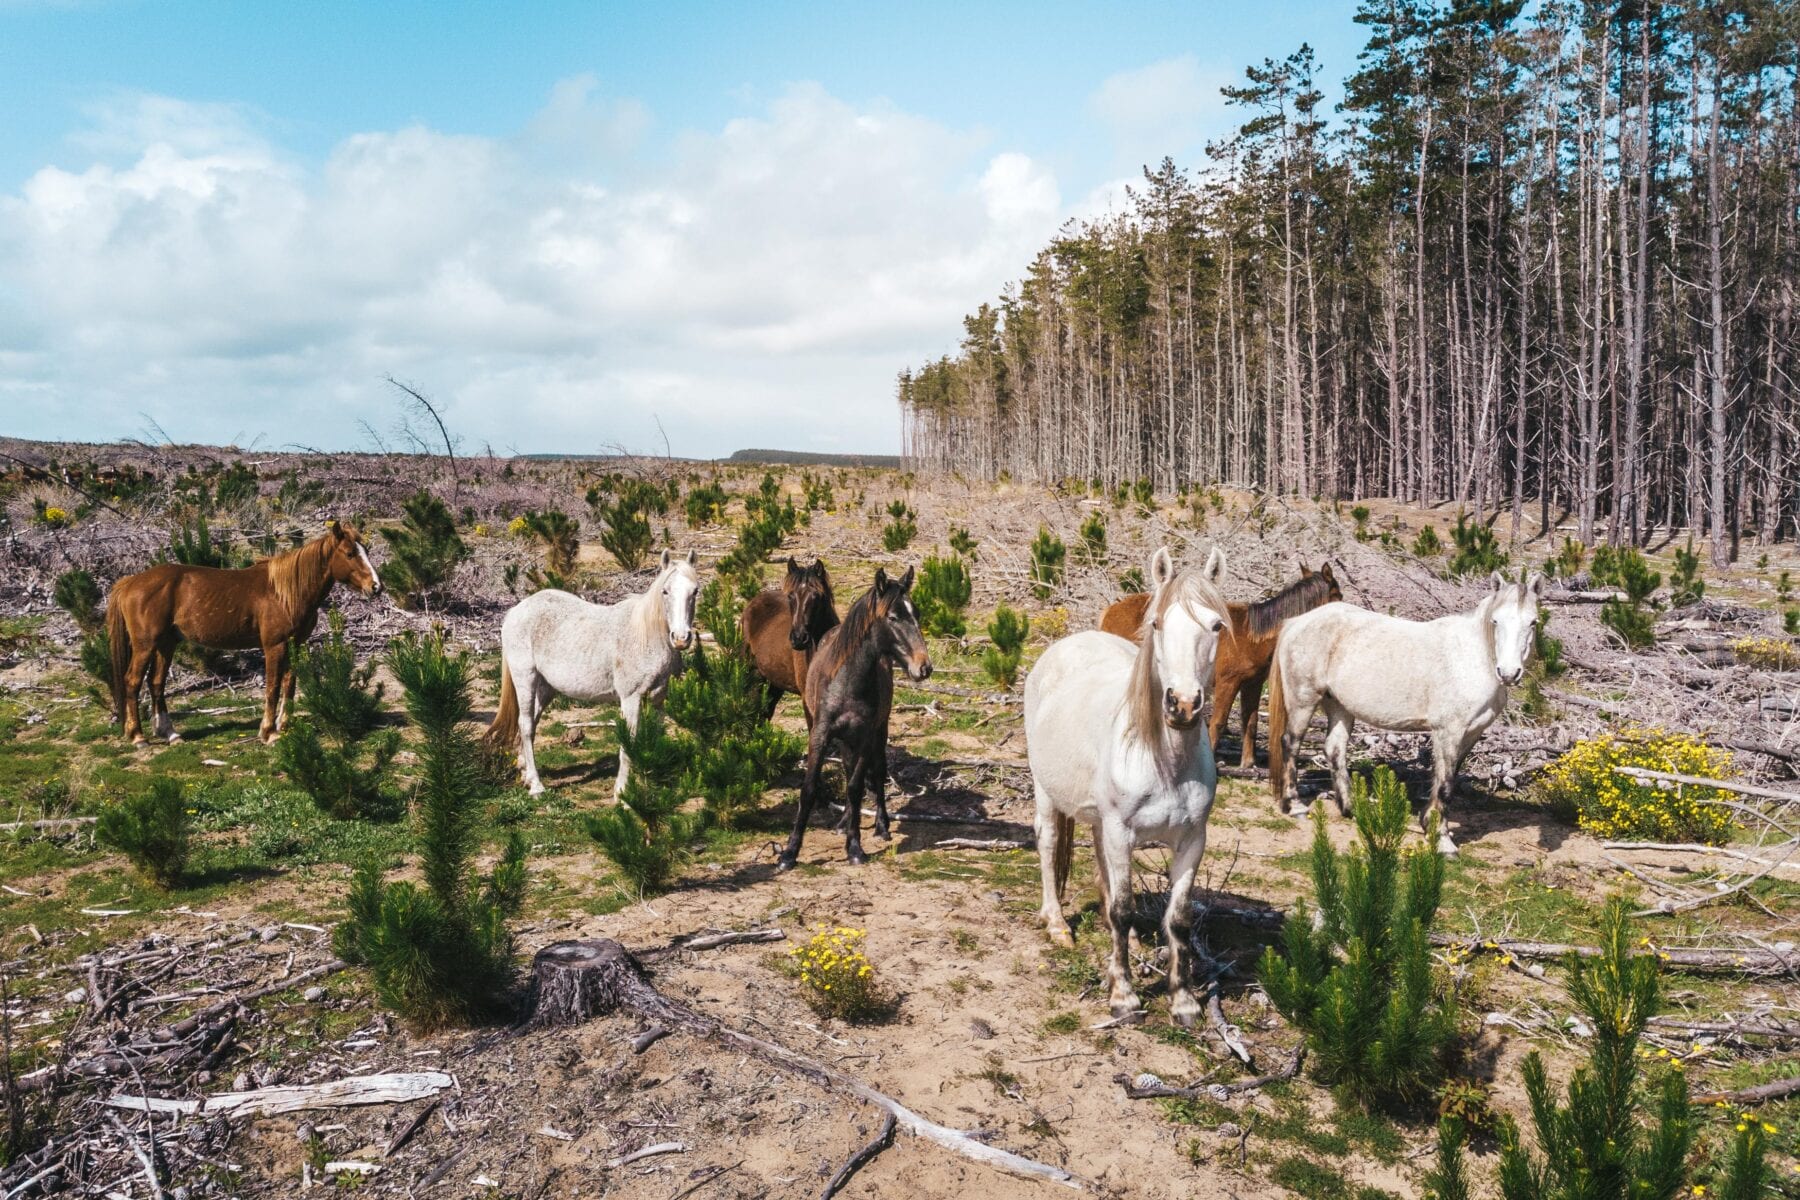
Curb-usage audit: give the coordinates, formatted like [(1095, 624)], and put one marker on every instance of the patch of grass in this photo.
[(1304, 1177), (1064, 1022), (966, 943), (1200, 1111)]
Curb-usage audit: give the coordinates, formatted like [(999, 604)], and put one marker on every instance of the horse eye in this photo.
[(1218, 626)]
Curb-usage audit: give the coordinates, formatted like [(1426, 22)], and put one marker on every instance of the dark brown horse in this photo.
[(850, 692), (263, 605), (1245, 649), (783, 627)]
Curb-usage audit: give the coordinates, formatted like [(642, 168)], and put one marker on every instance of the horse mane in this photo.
[(648, 614), (1143, 691), (295, 575), (1303, 595), (834, 647)]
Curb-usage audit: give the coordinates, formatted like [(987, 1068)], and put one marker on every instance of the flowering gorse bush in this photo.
[(836, 974), (1584, 782), (1773, 653)]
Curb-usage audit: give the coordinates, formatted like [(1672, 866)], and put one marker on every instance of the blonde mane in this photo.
[(295, 575), (650, 617), (1143, 691)]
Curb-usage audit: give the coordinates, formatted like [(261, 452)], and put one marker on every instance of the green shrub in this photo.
[(705, 505), (646, 834), (1567, 562), (1633, 618), (1357, 979), (818, 493), (1007, 631), (440, 953), (1686, 588), (1360, 514), (941, 594), (963, 543), (76, 593), (1092, 543), (331, 776), (1546, 664), (1427, 544), (1476, 551), (898, 534), (151, 829), (559, 535), (1143, 494), (1784, 587), (423, 550), (768, 521), (1131, 582), (334, 691), (192, 544), (1596, 1146), (1047, 562), (1790, 622), (626, 515), (238, 485)]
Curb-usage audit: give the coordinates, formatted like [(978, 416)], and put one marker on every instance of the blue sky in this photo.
[(566, 221)]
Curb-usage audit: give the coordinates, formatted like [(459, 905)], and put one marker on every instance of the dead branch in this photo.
[(1149, 1087), (1753, 1095), (1724, 785), (615, 980), (352, 1092), (881, 1141), (1693, 961)]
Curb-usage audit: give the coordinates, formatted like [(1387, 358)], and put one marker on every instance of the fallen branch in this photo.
[(1698, 848), (876, 1145), (1149, 1087), (1693, 961), (52, 823), (712, 941), (610, 978), (405, 1135), (352, 1092), (648, 1152), (983, 844), (1767, 1027), (1753, 1095), (1724, 785)]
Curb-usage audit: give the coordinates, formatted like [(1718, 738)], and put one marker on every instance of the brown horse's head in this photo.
[(810, 611), (347, 560), (1333, 592), (897, 624)]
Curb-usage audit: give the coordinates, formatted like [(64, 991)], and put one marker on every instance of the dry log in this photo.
[(599, 976), (1699, 848), (1724, 785), (1589, 596), (1766, 1027), (949, 689), (339, 1093), (41, 826), (1780, 1089), (1783, 753), (1696, 962), (983, 844), (712, 941)]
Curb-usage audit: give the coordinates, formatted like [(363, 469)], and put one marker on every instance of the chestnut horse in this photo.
[(1245, 650), (850, 693), (264, 604), (783, 627)]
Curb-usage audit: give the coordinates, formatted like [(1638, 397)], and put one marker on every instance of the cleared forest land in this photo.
[(229, 982)]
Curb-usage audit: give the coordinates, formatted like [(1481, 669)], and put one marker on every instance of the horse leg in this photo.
[(134, 683), (815, 760), (1115, 854), (274, 668), (287, 703), (856, 775), (878, 777), (628, 708), (1300, 716), (1178, 925), (159, 678), (526, 686), (1249, 703), (1448, 747), (1224, 691), (1339, 723), (1048, 843)]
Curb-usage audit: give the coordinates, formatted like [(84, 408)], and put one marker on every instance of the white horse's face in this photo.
[(1514, 613), (680, 590), (1185, 638)]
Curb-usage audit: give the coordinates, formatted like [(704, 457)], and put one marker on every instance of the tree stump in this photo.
[(573, 982)]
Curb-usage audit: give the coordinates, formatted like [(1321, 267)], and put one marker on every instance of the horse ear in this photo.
[(906, 581), (1499, 581), (1325, 571), (1304, 569), (693, 557), (881, 579), (1162, 568), (1214, 570), (665, 559), (1535, 585), (793, 567)]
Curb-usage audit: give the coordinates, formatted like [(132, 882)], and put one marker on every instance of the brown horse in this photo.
[(850, 693), (783, 627), (263, 605), (1245, 649)]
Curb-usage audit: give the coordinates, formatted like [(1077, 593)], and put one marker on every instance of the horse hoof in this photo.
[(1185, 1015), (140, 740), (1126, 1012), (1446, 847), (174, 739), (857, 858), (1061, 939), (881, 831), (784, 864)]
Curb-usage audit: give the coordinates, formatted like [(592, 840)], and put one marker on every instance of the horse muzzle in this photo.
[(1181, 713), (801, 640), (683, 641), (920, 670), (1510, 678)]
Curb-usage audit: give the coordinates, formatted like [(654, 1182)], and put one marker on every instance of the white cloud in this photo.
[(558, 289), (1165, 108)]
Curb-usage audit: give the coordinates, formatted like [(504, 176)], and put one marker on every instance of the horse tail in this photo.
[(118, 639), (1278, 721), (504, 732), (1065, 850)]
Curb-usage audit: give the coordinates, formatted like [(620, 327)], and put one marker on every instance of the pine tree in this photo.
[(1356, 977), (151, 829), (1007, 631), (647, 833), (423, 550), (332, 751), (941, 595), (624, 510), (441, 953), (1047, 555)]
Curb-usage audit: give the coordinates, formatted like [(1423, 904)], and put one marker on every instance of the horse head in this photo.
[(897, 623), (348, 560), (808, 592), (1512, 612), (1189, 616), (680, 586)]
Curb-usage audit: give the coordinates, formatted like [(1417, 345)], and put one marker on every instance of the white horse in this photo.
[(554, 644), (1449, 676), (1116, 734)]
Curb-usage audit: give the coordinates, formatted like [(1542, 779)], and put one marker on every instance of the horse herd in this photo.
[(1117, 725)]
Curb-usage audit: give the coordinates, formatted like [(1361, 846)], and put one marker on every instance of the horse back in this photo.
[(765, 624), (1123, 618), (218, 607)]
